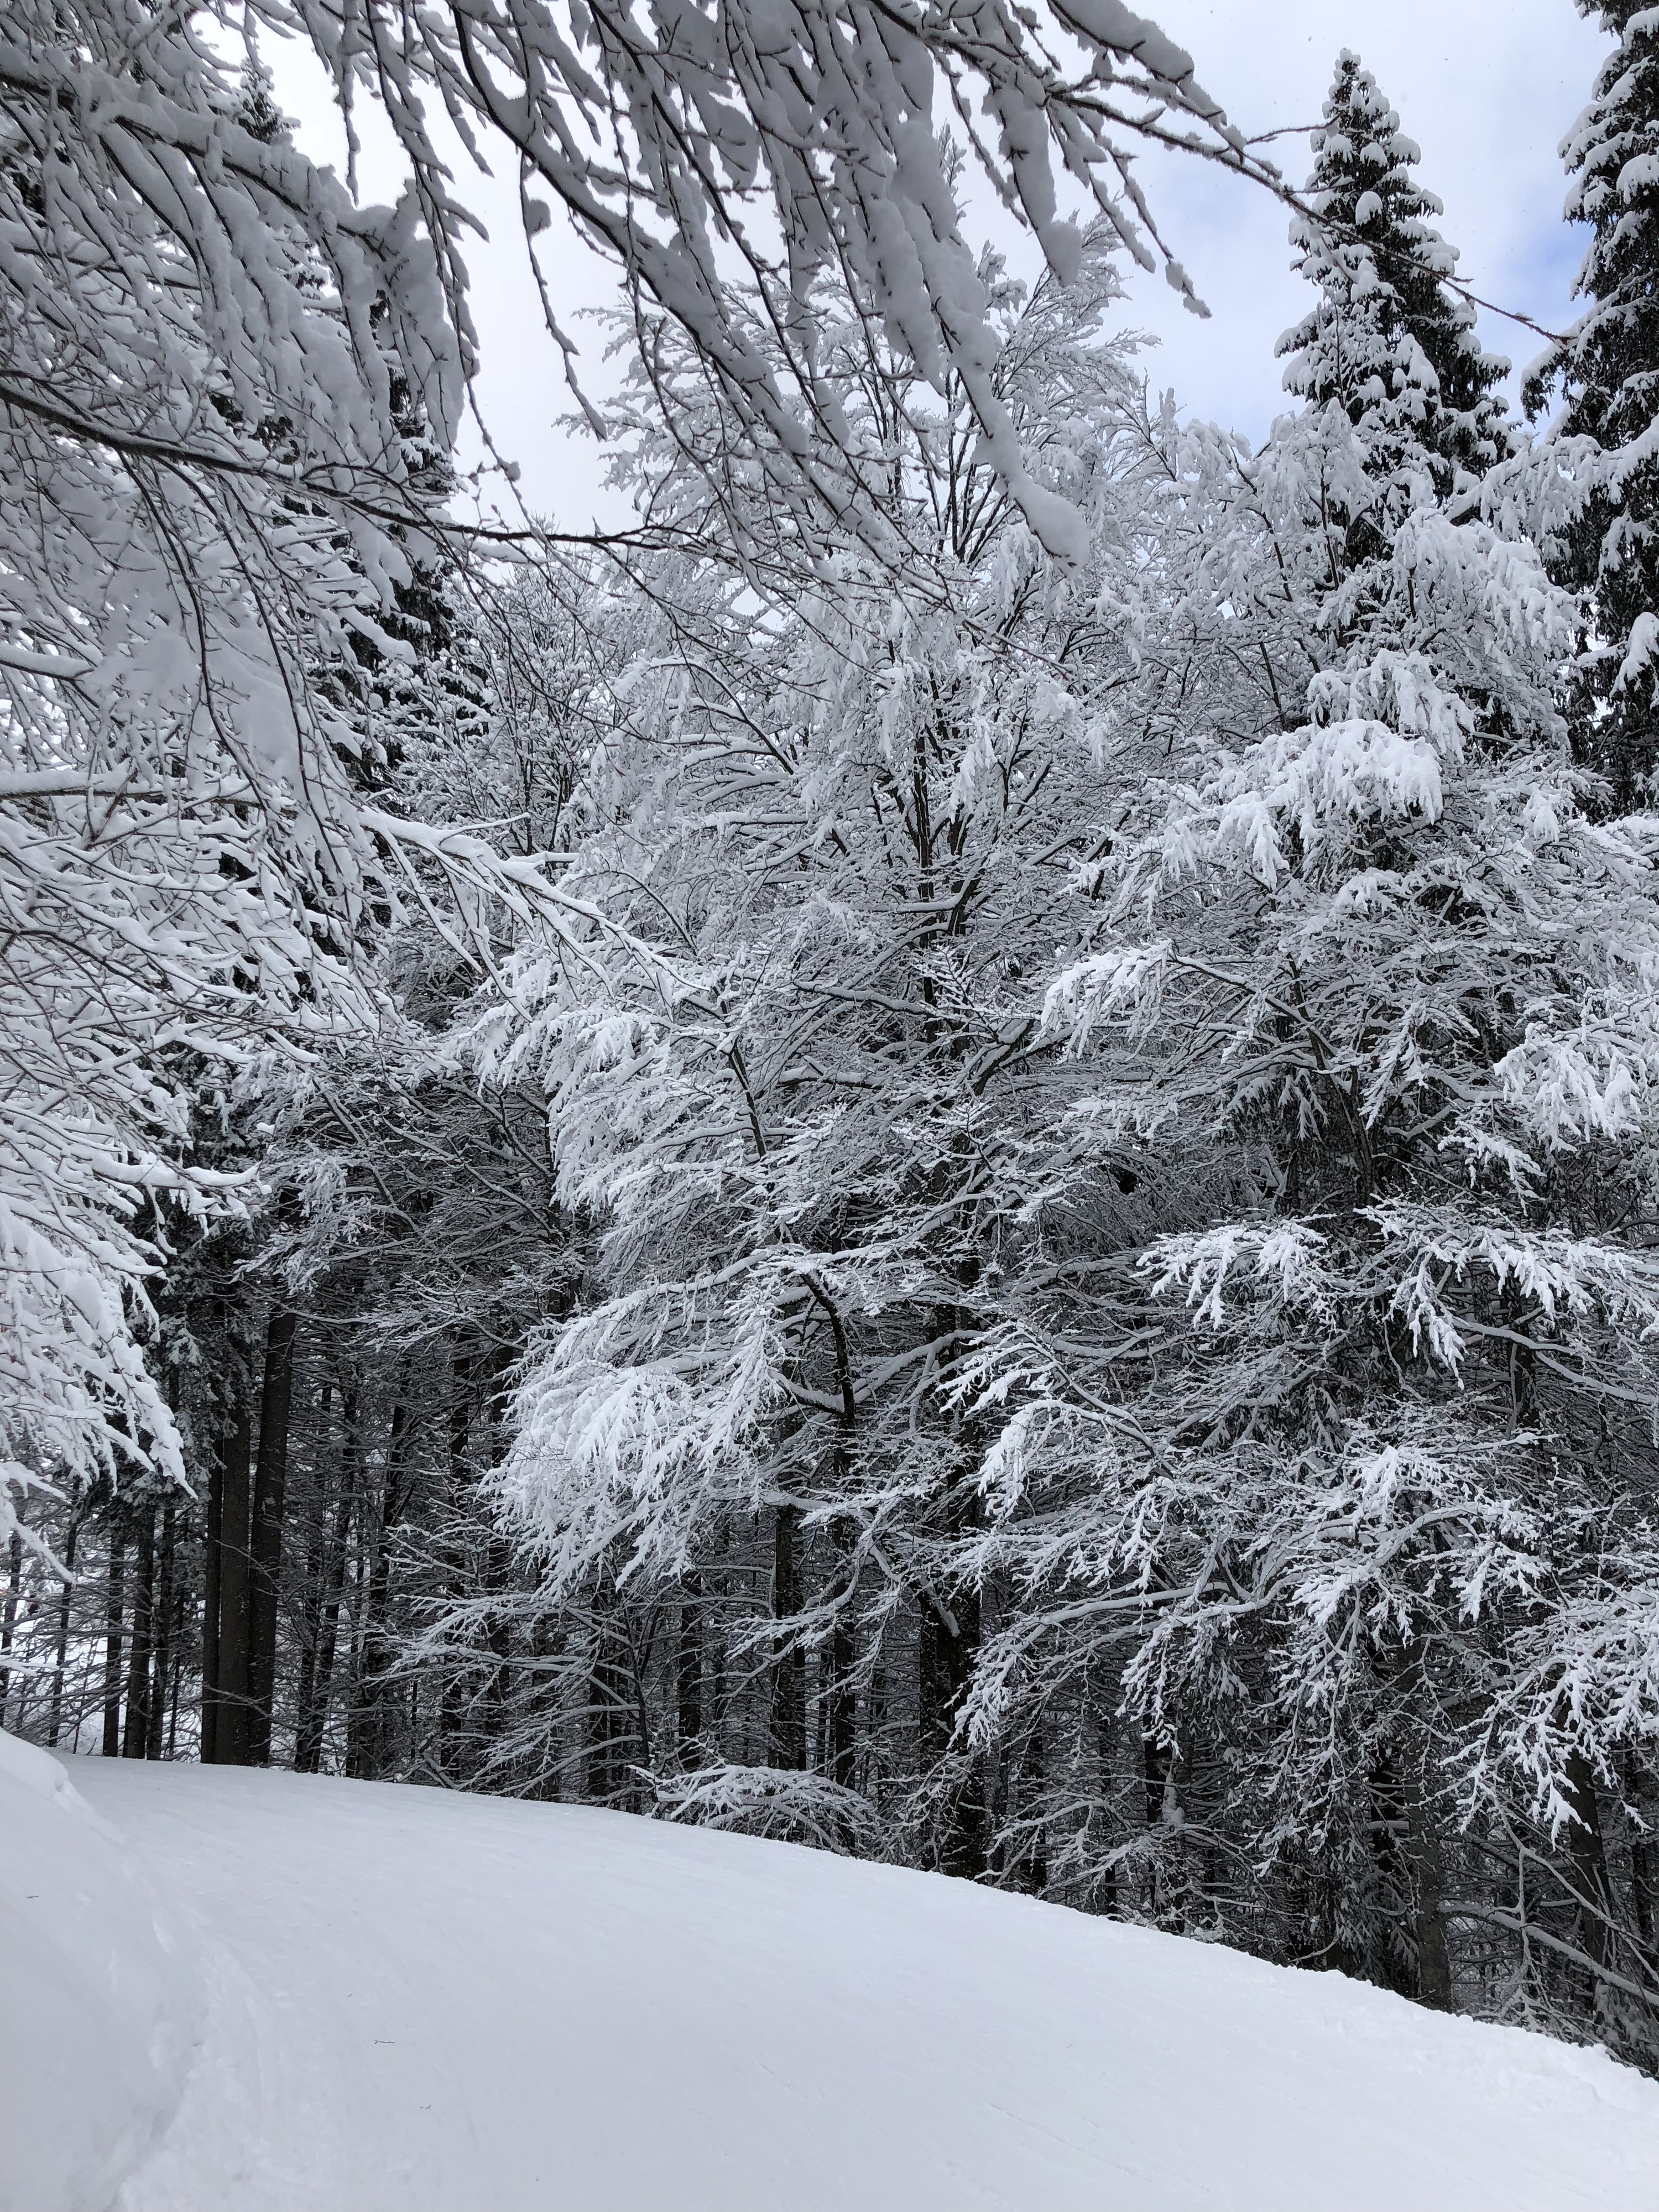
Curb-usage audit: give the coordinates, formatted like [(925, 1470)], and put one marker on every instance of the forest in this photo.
[(949, 1152)]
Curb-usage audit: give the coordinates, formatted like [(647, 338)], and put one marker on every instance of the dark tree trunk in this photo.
[(875, 1731), (1587, 1861), (165, 1631), (64, 1598), (1033, 1782), (311, 1723), (947, 1644), (499, 1633), (610, 1723), (720, 1691), (1640, 1852), (231, 1734), (840, 1707), (947, 1651), (212, 1544), (498, 1637), (270, 1498), (178, 1672), (1155, 1760), (1434, 1975), (788, 1727), (368, 1749), (135, 1740), (452, 1703), (14, 1590), (315, 1587), (1106, 1748), (1159, 1768), (689, 1672), (114, 1604), (1407, 1779), (1391, 1857)]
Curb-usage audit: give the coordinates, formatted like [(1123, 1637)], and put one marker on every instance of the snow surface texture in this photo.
[(424, 2001), (99, 1998)]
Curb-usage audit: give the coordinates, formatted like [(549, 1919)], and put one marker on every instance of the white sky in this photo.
[(1487, 87)]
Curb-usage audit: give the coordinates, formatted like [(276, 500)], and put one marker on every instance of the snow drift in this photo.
[(99, 2003), (443, 2004)]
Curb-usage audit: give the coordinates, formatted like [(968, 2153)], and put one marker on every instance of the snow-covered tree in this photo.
[(711, 150), (227, 392), (228, 397), (1605, 441), (1370, 995), (1103, 1114), (950, 1154), (202, 469), (1388, 341), (790, 1099)]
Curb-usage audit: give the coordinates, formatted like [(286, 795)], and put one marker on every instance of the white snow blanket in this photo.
[(423, 2003), (99, 1998)]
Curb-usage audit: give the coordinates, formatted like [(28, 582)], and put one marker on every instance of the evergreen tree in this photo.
[(1377, 991), (1607, 370), (1388, 341)]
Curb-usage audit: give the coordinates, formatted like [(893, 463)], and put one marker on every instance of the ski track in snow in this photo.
[(421, 2001)]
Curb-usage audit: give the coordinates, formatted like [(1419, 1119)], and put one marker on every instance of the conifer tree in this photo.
[(1388, 340), (1607, 370)]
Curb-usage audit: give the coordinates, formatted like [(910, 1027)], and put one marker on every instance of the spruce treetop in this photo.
[(1388, 341), (1609, 363), (1607, 368)]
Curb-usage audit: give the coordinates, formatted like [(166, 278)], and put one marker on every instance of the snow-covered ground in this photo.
[(101, 1997), (399, 1998)]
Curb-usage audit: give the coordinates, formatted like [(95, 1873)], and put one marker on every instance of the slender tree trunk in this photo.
[(311, 1723), (269, 1499), (64, 1599), (1434, 1975), (1101, 1697), (178, 1672), (1033, 1781), (1586, 1856), (948, 1650), (610, 1702), (311, 1626), (688, 1671), (164, 1634), (1423, 1851), (212, 1546), (498, 1698), (840, 1707), (368, 1749), (452, 1701), (948, 1642), (498, 1636), (837, 1698), (788, 1727), (231, 1736), (311, 1589), (1395, 1885), (1640, 1852), (1158, 1766), (113, 1604), (135, 1740), (721, 1691), (14, 1590)]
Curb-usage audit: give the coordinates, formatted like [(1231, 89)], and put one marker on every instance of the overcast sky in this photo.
[(1487, 87)]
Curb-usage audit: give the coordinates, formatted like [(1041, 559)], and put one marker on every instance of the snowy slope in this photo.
[(99, 1998), (440, 2003)]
